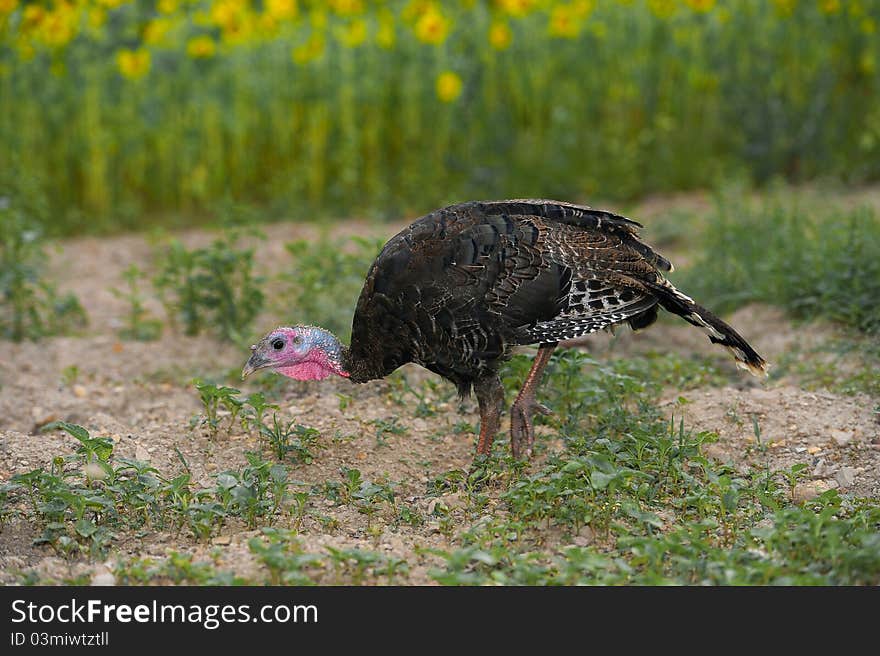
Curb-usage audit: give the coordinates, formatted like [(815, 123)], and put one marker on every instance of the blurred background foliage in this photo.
[(135, 112)]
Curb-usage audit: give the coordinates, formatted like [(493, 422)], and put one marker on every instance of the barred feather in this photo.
[(718, 331)]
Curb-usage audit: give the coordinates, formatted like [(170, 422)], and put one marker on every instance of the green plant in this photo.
[(30, 306), (793, 474), (814, 263), (448, 481), (91, 449), (358, 564), (386, 427), (658, 509), (300, 503), (281, 553), (213, 398), (258, 490), (291, 438), (75, 504), (369, 498), (255, 406), (409, 516), (70, 374), (6, 509), (139, 325), (212, 288), (85, 497), (177, 568)]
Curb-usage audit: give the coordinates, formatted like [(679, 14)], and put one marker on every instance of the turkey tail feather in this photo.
[(719, 332)]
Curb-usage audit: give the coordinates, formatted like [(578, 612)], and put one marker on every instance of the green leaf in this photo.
[(600, 480), (77, 431), (85, 527), (278, 473), (573, 467), (226, 481), (484, 557)]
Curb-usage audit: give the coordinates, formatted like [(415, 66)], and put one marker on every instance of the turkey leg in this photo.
[(522, 433), (490, 396)]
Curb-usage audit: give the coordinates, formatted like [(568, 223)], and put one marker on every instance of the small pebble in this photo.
[(845, 476), (842, 437), (806, 491), (103, 578), (585, 537)]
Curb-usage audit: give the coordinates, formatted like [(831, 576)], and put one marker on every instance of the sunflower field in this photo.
[(125, 109)]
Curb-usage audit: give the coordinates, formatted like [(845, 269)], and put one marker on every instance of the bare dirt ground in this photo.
[(140, 395)]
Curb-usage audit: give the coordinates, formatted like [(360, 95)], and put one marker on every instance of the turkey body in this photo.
[(460, 287)]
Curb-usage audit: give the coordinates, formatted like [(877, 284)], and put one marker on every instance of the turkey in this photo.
[(458, 289)]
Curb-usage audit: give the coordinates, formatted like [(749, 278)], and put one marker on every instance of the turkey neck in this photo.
[(355, 365), (350, 365)]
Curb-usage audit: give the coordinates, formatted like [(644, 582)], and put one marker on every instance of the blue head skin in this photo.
[(299, 352)]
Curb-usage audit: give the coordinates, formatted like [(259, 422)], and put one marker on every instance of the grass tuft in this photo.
[(813, 263)]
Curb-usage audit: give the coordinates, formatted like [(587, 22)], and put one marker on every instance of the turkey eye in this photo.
[(278, 344)]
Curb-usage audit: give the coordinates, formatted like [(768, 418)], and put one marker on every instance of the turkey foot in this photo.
[(522, 432)]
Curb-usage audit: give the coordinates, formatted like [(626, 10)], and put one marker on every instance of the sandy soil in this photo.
[(140, 395)]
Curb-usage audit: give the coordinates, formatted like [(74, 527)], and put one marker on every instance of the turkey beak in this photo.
[(256, 361)]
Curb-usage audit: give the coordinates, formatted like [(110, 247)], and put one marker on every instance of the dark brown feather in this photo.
[(459, 288)]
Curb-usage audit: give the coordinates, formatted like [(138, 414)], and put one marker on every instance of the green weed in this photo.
[(288, 564), (177, 569), (358, 564), (812, 263), (30, 306), (655, 508), (280, 552), (138, 323), (259, 490), (84, 498), (291, 439), (385, 427), (212, 288), (213, 398), (368, 497)]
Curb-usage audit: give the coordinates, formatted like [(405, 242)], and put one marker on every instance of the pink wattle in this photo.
[(305, 371), (317, 367)]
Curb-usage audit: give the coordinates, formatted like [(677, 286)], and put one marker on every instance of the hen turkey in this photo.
[(463, 285)]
